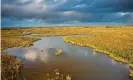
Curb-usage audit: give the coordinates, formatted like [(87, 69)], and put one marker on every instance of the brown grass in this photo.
[(10, 67)]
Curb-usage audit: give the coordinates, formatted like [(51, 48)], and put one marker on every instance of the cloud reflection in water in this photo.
[(43, 56), (113, 62), (94, 53), (32, 55)]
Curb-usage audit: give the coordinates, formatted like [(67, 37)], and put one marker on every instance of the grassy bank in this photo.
[(121, 50), (13, 38), (10, 65), (9, 42), (117, 43)]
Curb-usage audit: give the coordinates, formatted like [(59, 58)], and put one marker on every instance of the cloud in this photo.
[(80, 6), (67, 11), (123, 13), (23, 1), (30, 55)]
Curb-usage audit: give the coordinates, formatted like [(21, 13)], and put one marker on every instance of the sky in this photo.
[(29, 13)]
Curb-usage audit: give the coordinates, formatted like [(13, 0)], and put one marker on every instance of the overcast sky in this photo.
[(19, 13)]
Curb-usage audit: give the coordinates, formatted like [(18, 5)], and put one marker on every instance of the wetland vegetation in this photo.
[(10, 67), (117, 42), (59, 52), (14, 38)]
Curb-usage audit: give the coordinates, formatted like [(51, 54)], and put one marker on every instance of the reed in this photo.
[(10, 67)]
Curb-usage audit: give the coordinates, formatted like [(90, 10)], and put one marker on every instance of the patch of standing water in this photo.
[(82, 63)]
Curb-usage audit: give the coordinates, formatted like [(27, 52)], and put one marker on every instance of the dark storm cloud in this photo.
[(98, 5), (61, 11)]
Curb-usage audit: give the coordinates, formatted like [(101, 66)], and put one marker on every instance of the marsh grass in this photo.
[(9, 42), (10, 67), (59, 52), (57, 75), (13, 38), (117, 42)]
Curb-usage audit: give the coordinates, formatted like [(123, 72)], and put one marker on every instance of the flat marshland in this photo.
[(11, 66), (117, 42), (14, 38)]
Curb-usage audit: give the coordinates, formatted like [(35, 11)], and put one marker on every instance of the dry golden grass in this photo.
[(13, 38), (10, 67), (115, 41)]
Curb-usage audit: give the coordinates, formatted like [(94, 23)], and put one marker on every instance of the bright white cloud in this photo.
[(69, 13), (81, 6), (38, 1), (55, 0), (73, 13), (122, 13), (36, 6)]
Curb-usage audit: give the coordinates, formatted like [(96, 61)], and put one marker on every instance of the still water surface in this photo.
[(82, 63)]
